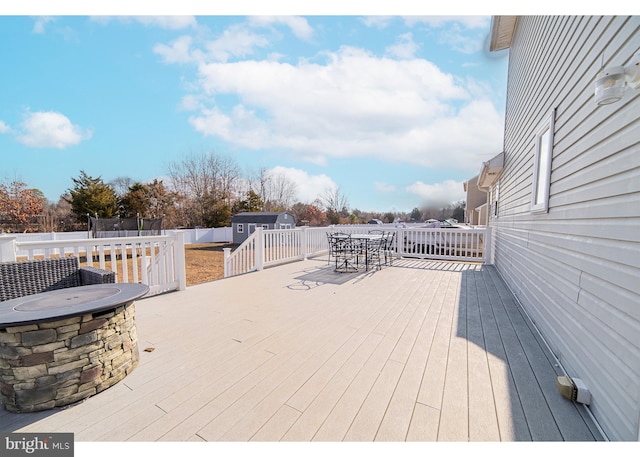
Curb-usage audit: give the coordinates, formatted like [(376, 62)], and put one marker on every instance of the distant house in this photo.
[(475, 209), (566, 201), (481, 189), (244, 224)]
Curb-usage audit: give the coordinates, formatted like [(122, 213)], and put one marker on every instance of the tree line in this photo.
[(201, 190)]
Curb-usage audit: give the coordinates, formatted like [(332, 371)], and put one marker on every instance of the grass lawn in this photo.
[(204, 262)]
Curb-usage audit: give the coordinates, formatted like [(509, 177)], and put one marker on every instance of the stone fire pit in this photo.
[(60, 347)]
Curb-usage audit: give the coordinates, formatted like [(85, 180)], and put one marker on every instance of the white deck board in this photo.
[(421, 351)]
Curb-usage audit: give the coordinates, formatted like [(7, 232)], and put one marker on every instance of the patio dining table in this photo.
[(354, 249)]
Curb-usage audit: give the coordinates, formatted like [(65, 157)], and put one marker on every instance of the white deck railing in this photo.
[(266, 248), (157, 261)]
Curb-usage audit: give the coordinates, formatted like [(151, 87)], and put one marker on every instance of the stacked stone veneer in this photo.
[(51, 364)]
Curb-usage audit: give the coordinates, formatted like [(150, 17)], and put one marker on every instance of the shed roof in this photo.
[(263, 218)]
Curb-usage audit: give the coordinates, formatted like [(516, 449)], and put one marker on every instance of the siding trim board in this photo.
[(575, 268)]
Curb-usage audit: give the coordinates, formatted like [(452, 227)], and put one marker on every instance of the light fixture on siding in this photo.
[(574, 389), (612, 82)]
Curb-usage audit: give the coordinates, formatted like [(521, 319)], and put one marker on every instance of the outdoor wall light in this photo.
[(612, 82)]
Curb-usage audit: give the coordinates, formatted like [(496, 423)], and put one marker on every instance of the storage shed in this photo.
[(244, 224)]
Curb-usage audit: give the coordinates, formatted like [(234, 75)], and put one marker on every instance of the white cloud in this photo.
[(178, 52), (308, 187), (298, 25), (438, 195), (354, 105), (40, 23), (469, 22), (460, 40), (379, 22), (4, 128), (384, 187), (405, 48), (236, 41), (190, 102), (433, 21), (50, 130), (462, 34), (170, 22)]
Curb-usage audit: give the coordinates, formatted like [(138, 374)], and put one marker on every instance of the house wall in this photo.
[(248, 227), (576, 268), (284, 220), (280, 221), (239, 237), (475, 199)]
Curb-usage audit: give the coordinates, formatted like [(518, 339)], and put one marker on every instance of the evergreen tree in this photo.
[(252, 203), (135, 202), (92, 196)]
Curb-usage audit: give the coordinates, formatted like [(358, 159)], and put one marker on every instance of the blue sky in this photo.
[(396, 111)]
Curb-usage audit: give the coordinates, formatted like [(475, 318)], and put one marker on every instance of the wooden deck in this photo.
[(421, 351)]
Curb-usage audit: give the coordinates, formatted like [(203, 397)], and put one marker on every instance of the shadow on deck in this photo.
[(421, 351)]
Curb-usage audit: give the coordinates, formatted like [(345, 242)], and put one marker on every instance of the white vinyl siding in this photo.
[(576, 268)]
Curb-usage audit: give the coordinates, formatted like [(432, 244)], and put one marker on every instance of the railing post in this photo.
[(181, 269), (488, 252), (259, 252), (303, 242), (8, 249), (227, 254), (400, 242)]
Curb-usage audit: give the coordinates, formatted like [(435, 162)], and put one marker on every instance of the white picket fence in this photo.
[(265, 248), (157, 261), (191, 236)]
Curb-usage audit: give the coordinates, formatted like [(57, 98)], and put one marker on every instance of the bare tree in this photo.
[(121, 185), (206, 181), (275, 189), (229, 177), (334, 199), (281, 191), (259, 183), (336, 204)]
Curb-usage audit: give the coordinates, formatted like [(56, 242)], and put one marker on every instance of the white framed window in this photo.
[(495, 196), (542, 165), (265, 226), (240, 228)]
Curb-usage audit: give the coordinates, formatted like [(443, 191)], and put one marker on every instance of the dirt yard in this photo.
[(204, 262)]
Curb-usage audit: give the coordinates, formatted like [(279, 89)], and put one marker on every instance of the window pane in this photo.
[(543, 160)]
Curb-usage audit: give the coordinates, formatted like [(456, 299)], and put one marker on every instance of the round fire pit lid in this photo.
[(73, 301)]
